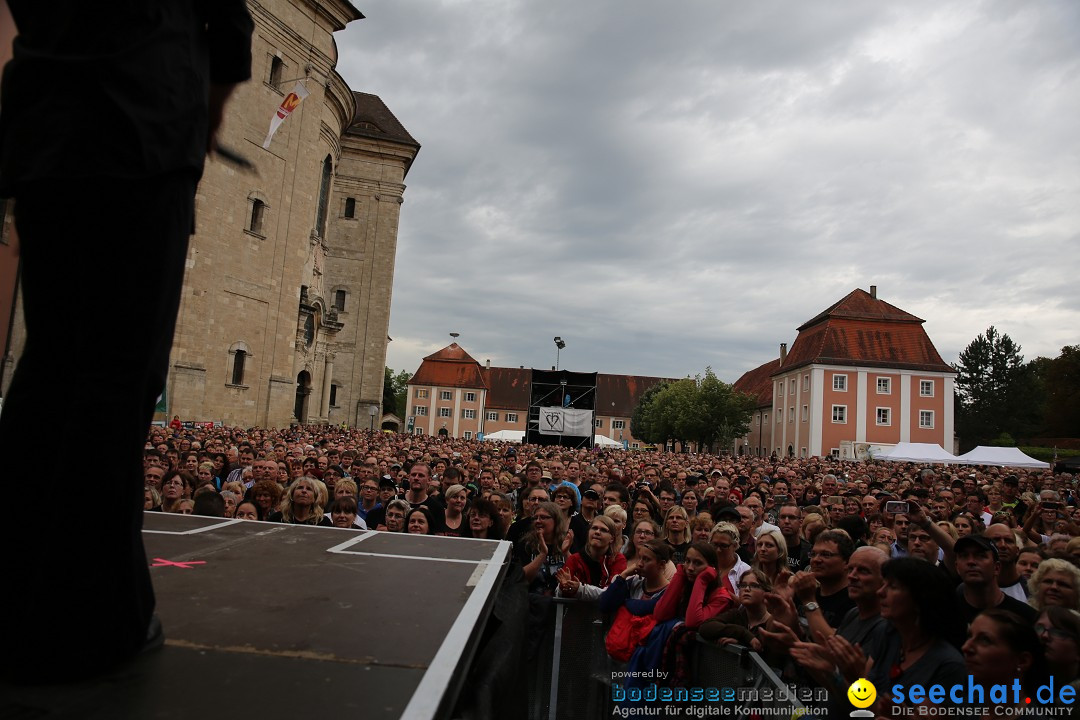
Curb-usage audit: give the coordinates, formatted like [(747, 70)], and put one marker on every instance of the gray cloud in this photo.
[(670, 190)]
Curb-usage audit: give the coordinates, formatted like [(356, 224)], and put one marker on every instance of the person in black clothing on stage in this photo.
[(108, 112)]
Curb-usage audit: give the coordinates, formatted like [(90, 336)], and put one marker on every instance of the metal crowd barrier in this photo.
[(573, 673)]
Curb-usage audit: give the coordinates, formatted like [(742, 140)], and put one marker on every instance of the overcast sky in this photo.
[(674, 186)]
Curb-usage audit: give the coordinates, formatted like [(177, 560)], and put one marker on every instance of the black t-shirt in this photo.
[(834, 607), (969, 611), (798, 558)]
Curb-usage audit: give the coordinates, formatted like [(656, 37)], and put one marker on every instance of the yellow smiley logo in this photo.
[(862, 693)]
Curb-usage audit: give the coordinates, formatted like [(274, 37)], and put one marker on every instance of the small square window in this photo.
[(511, 417), (598, 423), (839, 413), (444, 412), (884, 416), (470, 397), (421, 393), (884, 386), (493, 416), (618, 424), (926, 388), (839, 383), (469, 414), (468, 434), (418, 431), (446, 395), (926, 419), (420, 410)]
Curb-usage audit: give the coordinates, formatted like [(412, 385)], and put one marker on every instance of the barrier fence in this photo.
[(571, 674)]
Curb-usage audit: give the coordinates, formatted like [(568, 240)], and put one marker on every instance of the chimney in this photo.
[(487, 363), (873, 291), (783, 352)]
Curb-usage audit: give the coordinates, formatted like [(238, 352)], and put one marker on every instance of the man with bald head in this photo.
[(864, 623)]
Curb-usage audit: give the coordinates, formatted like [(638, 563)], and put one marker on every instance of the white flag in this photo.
[(290, 103), (565, 421)]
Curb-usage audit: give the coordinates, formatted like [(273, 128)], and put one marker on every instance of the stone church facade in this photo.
[(286, 299)]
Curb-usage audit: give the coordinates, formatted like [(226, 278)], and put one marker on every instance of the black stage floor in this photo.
[(283, 621)]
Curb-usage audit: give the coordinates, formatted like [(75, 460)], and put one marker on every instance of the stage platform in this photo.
[(264, 620)]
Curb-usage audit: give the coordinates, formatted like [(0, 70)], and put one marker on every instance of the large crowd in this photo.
[(903, 574)]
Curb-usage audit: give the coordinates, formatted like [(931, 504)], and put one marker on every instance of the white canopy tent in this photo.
[(1001, 457), (918, 453), (514, 436), (605, 441)]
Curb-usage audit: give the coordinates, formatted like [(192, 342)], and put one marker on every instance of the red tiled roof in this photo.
[(508, 388), (862, 330), (449, 367), (758, 383), (618, 395)]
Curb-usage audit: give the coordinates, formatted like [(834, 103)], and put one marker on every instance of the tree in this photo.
[(700, 409), (1062, 383), (395, 390), (996, 392)]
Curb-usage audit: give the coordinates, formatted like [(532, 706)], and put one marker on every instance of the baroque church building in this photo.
[(286, 299)]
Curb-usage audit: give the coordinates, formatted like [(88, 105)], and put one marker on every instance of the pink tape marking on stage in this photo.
[(186, 564)]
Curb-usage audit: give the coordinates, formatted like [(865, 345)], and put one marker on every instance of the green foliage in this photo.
[(701, 409), (996, 392), (1047, 454), (395, 390), (1062, 383), (1004, 440)]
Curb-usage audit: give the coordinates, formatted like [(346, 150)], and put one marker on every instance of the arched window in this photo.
[(258, 211), (276, 68), (239, 353), (324, 196)]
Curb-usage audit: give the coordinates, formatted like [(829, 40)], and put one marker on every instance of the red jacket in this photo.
[(610, 566), (704, 602)]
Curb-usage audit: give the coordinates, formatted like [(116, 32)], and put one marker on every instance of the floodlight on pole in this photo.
[(559, 345)]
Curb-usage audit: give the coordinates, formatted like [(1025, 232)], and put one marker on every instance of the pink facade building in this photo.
[(862, 373)]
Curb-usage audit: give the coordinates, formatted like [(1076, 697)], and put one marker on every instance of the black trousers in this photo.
[(102, 270)]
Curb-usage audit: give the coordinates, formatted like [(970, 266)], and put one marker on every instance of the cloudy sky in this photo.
[(674, 186)]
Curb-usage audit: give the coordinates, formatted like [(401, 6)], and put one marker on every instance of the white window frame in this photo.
[(791, 386), (887, 388), (843, 412), (446, 395), (511, 417), (468, 434), (791, 414), (839, 382), (421, 394), (806, 383), (888, 416), (469, 414), (418, 431), (806, 413), (444, 412), (618, 424), (835, 453), (923, 386), (780, 390), (419, 410), (470, 397), (635, 446), (927, 414), (765, 418), (493, 416)]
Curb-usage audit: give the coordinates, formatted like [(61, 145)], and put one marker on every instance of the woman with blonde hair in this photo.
[(616, 513), (300, 506), (770, 557), (454, 523), (676, 532), (1055, 582), (813, 525), (588, 572)]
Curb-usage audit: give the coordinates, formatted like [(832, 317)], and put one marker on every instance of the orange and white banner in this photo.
[(290, 103)]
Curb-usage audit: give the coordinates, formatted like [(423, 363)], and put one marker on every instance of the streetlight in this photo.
[(373, 410), (559, 345)]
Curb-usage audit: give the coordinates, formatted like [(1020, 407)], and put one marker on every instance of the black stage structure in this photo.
[(288, 621), (561, 388)]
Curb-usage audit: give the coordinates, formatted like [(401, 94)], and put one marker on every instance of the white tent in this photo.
[(605, 441), (1000, 456), (917, 452), (514, 436)]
